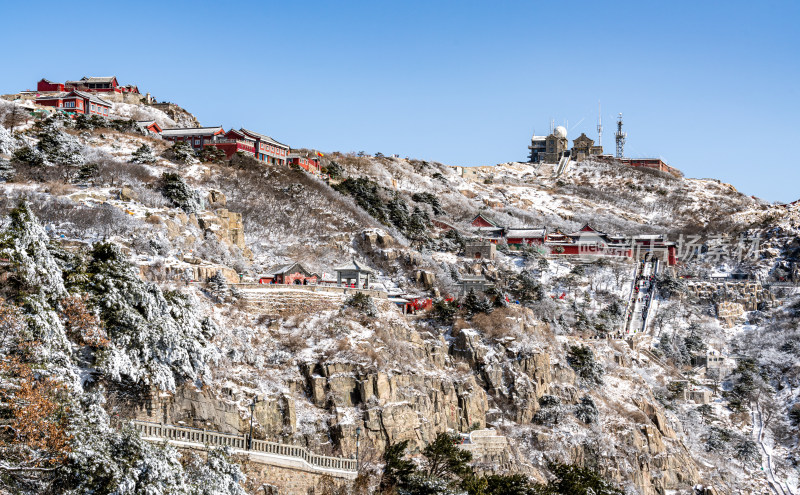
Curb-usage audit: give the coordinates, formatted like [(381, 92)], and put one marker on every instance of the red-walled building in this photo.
[(289, 274), (486, 227), (87, 84), (261, 147), (653, 163), (591, 242), (525, 236), (77, 102), (267, 149), (149, 126), (234, 142), (47, 86), (481, 221), (309, 163), (198, 137)]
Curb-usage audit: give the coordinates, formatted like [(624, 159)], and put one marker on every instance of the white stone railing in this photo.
[(336, 289), (173, 433), (484, 441)]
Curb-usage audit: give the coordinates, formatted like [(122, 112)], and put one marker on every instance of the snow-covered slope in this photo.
[(104, 222)]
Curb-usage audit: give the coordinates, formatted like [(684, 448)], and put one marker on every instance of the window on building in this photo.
[(197, 142)]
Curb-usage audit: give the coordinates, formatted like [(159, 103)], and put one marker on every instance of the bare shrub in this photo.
[(115, 173), (59, 188), (498, 325)]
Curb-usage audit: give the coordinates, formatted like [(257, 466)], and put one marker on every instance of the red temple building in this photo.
[(309, 163), (77, 102)]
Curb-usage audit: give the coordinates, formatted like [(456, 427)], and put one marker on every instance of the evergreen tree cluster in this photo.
[(394, 211), (54, 146), (474, 305), (212, 154), (680, 349), (181, 152), (525, 289), (431, 199), (444, 312), (91, 122), (581, 359), (445, 470), (363, 303), (55, 310), (7, 170)]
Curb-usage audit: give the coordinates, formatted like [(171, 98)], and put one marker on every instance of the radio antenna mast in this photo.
[(599, 125), (620, 138)]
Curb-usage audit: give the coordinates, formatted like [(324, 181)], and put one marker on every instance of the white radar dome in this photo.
[(560, 131)]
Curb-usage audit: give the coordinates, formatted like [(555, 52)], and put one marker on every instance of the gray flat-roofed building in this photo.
[(478, 283)]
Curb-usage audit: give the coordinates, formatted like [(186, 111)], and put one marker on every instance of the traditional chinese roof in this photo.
[(286, 268), (353, 265), (72, 94), (485, 219), (587, 230), (144, 124), (240, 135), (263, 137), (192, 131), (93, 80), (537, 233)]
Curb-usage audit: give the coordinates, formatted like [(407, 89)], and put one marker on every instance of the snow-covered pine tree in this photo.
[(176, 189), (144, 154), (156, 337), (181, 152), (218, 285), (35, 282)]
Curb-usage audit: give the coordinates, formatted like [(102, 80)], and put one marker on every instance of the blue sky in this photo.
[(711, 87)]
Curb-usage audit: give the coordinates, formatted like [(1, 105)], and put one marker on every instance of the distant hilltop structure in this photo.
[(108, 86), (554, 148)]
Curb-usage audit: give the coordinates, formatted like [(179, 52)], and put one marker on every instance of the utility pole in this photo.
[(358, 438)]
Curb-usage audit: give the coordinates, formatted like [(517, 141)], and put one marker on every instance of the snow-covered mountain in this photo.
[(130, 272)]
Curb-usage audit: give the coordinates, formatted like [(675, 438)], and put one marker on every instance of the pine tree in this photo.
[(576, 480), (181, 195), (212, 154), (218, 285), (144, 154), (445, 459), (181, 152), (473, 304), (396, 470)]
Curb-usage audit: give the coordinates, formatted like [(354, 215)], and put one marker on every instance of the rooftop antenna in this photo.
[(620, 138), (552, 125), (599, 125)]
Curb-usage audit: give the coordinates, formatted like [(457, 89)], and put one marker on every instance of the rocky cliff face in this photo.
[(462, 382)]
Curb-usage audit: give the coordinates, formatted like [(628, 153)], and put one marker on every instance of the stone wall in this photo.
[(480, 250), (277, 480), (750, 294)]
